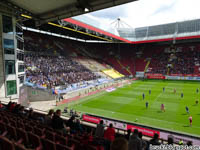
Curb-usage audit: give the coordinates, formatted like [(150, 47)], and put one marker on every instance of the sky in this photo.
[(144, 13)]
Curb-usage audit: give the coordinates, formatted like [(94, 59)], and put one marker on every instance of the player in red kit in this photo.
[(162, 107), (190, 120)]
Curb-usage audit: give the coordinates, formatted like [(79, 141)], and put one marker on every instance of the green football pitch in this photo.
[(126, 103)]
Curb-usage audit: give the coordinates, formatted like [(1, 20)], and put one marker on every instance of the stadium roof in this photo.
[(42, 14), (44, 11), (76, 29), (166, 32), (97, 30), (45, 15)]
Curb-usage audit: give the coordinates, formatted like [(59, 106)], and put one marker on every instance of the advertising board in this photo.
[(145, 131)]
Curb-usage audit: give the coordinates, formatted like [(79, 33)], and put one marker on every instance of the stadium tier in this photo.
[(180, 60), (54, 69)]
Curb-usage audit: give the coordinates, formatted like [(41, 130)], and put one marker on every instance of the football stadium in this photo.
[(71, 78)]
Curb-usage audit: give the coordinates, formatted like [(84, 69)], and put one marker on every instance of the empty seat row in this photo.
[(23, 133)]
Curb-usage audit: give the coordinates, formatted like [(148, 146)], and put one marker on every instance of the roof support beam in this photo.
[(72, 10)]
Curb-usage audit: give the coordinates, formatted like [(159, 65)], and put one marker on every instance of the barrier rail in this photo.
[(147, 131)]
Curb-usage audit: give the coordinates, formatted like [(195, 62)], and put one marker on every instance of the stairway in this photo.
[(168, 70), (147, 66), (123, 67)]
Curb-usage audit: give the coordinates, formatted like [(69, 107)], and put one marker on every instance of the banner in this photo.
[(107, 122), (110, 89), (155, 76), (91, 119), (139, 74), (177, 138), (120, 125), (182, 78), (172, 77), (185, 75), (176, 75), (117, 125), (145, 131)]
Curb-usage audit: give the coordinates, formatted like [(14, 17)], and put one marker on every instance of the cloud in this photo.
[(146, 13), (154, 12), (103, 23), (111, 13)]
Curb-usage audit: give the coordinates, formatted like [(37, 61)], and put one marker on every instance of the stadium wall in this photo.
[(2, 86), (35, 95), (29, 94), (76, 95), (11, 44)]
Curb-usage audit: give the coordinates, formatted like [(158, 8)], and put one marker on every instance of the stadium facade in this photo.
[(11, 56)]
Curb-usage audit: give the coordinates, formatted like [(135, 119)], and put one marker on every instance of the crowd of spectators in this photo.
[(182, 63), (174, 62), (48, 62), (131, 141), (165, 59), (159, 63), (49, 71)]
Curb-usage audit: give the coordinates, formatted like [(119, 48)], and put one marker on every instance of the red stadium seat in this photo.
[(11, 132), (62, 147), (74, 144), (28, 128), (3, 130), (22, 135), (6, 144), (61, 139), (13, 123), (50, 135), (48, 145), (19, 147), (38, 131), (20, 124), (6, 120), (34, 140)]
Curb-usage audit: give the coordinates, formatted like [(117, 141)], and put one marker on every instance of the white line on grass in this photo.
[(136, 116)]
